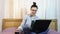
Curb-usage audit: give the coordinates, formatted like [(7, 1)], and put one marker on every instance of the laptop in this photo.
[(40, 26)]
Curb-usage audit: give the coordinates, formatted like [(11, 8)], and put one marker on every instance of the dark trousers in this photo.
[(26, 31)]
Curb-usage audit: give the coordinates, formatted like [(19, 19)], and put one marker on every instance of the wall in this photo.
[(19, 9), (51, 9), (58, 14), (1, 13), (8, 8), (12, 9)]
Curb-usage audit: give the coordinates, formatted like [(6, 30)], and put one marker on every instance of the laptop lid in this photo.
[(40, 26)]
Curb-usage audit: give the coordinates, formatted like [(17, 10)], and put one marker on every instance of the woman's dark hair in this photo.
[(34, 5)]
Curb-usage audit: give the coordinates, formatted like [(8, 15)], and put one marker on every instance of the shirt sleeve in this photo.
[(22, 24)]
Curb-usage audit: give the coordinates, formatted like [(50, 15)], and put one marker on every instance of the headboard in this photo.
[(7, 23)]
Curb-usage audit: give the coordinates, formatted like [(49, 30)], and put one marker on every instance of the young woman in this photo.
[(27, 21)]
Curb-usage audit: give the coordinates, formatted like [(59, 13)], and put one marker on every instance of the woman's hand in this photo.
[(19, 31)]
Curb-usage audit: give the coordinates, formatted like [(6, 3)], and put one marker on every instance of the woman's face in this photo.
[(33, 11)]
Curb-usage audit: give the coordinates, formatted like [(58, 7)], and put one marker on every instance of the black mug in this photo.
[(16, 32)]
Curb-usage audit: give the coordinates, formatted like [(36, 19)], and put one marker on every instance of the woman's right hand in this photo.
[(19, 31)]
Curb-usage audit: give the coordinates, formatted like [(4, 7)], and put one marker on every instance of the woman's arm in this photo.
[(22, 24)]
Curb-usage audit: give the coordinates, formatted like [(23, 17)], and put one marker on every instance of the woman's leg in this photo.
[(26, 30), (33, 33), (45, 32)]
